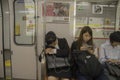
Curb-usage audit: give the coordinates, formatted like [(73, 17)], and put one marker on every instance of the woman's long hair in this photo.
[(80, 39)]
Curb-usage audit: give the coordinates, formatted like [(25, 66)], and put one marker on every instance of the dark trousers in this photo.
[(102, 76)]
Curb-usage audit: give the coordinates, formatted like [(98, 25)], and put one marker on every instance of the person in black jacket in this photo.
[(82, 45), (59, 48)]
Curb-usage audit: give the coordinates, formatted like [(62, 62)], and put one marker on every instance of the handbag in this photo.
[(56, 62), (113, 69)]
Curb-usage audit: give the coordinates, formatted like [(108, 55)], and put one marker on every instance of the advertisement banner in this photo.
[(56, 12)]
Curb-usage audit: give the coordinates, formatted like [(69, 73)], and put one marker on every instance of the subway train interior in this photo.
[(24, 23)]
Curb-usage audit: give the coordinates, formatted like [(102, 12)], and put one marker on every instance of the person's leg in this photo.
[(65, 79), (81, 78), (102, 77), (52, 78)]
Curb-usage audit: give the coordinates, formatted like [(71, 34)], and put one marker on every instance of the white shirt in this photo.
[(108, 52)]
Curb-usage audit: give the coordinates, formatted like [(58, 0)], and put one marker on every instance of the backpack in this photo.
[(87, 63)]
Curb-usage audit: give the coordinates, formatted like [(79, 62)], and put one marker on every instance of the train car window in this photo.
[(24, 22)]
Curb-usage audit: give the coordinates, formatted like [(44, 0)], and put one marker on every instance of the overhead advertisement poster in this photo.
[(95, 22), (81, 21), (56, 12)]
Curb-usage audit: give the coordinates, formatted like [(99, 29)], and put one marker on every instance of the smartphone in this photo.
[(90, 47)]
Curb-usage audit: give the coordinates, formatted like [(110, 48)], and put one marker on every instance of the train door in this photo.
[(23, 39), (1, 46)]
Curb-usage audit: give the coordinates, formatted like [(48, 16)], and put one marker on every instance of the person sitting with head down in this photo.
[(59, 48)]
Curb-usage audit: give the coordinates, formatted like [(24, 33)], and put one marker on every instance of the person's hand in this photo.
[(112, 61), (83, 48), (48, 50), (91, 51)]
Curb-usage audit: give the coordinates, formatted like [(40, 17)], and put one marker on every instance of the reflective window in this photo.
[(24, 21)]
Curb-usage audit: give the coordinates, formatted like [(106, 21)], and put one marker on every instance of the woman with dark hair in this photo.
[(59, 48), (84, 41), (83, 45)]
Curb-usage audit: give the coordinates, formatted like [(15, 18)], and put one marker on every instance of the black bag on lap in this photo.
[(114, 69), (56, 62), (87, 63)]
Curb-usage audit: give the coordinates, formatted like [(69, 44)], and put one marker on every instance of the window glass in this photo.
[(24, 24)]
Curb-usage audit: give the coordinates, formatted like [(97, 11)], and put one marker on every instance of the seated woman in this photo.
[(85, 43), (59, 48)]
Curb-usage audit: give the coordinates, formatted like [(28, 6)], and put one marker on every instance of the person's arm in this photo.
[(112, 61), (115, 58), (73, 49), (102, 54), (74, 46), (119, 57), (91, 49), (63, 50), (73, 60), (88, 48)]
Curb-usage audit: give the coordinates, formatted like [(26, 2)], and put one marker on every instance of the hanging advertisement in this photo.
[(81, 21), (56, 12), (29, 18), (95, 22), (17, 30)]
